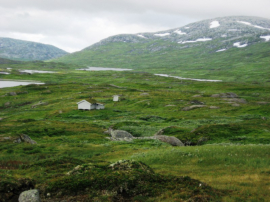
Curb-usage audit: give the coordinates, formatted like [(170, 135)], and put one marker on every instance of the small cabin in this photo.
[(85, 105), (116, 98)]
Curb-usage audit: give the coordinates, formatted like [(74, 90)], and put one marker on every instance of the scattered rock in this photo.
[(169, 139), (80, 169), (170, 105), (115, 86), (12, 93), (238, 100), (236, 105), (18, 140), (1, 119), (197, 96), (126, 165), (202, 140), (22, 92), (7, 104), (196, 102), (38, 104), (24, 138), (27, 139), (215, 95), (225, 95), (144, 94), (29, 196), (228, 95), (263, 103), (192, 107), (213, 107)]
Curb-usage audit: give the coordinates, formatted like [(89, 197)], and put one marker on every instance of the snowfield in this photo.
[(238, 45), (214, 24), (139, 35), (197, 40), (165, 34), (180, 32), (249, 24), (221, 50), (267, 38)]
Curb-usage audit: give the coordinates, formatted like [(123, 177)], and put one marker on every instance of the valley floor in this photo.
[(229, 130)]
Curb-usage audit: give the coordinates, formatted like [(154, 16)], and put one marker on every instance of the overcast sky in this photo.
[(75, 24)]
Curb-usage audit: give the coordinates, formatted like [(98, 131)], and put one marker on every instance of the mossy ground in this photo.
[(234, 158)]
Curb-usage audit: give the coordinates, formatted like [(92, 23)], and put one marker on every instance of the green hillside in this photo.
[(195, 54)]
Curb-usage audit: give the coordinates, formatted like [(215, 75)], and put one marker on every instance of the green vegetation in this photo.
[(230, 156)]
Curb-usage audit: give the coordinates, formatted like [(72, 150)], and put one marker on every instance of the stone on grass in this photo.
[(27, 139), (120, 134), (197, 96), (12, 93), (29, 196), (238, 100), (169, 139), (196, 102), (213, 107), (225, 95), (192, 107), (263, 103), (24, 138), (144, 94)]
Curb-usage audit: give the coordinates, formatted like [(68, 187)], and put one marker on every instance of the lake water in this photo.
[(4, 73), (104, 69), (36, 71), (177, 77), (5, 84)]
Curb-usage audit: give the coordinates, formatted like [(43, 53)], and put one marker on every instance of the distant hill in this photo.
[(204, 48), (28, 51)]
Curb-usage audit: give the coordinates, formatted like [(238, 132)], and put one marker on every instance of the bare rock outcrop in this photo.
[(29, 196)]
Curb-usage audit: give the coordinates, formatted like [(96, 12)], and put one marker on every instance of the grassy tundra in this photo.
[(231, 164)]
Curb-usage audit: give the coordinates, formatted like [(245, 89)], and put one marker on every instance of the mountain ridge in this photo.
[(16, 49), (208, 49)]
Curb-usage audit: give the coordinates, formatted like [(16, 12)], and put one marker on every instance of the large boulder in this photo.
[(169, 139), (29, 196), (120, 134)]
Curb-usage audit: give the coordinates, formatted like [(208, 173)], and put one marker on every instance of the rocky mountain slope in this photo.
[(197, 45), (28, 51)]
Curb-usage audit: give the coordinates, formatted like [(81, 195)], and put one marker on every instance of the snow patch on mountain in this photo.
[(249, 24), (238, 45), (197, 40), (164, 34), (180, 32), (139, 35), (221, 50), (267, 38), (214, 24)]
